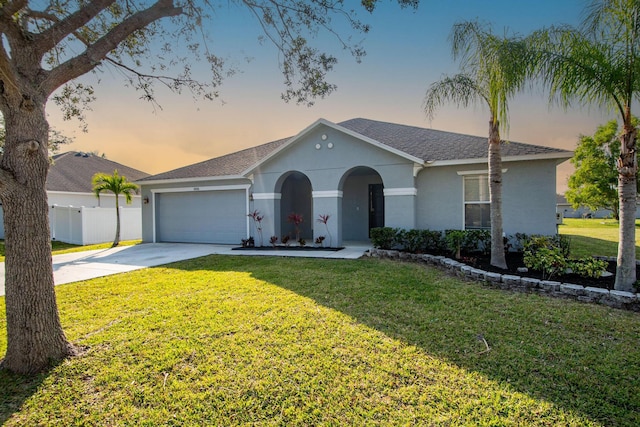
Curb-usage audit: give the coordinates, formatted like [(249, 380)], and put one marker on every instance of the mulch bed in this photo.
[(514, 260), (285, 248)]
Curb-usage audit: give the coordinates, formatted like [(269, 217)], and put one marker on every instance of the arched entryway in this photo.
[(362, 203), (296, 197)]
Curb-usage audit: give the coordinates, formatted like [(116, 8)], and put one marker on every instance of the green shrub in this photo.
[(588, 267), (454, 240), (546, 254), (548, 260), (383, 237), (433, 241), (477, 240), (411, 240)]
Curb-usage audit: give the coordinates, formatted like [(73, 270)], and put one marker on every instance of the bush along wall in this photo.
[(546, 253)]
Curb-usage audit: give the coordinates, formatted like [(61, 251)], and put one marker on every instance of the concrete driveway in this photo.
[(78, 266)]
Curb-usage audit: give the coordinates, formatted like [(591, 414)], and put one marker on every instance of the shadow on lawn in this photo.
[(536, 346), (15, 390)]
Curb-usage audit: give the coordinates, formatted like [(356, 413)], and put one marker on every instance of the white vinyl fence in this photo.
[(86, 226)]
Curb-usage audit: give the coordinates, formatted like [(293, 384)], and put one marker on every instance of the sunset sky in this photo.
[(406, 51)]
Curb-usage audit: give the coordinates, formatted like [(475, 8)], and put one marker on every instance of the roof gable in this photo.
[(72, 171), (323, 122)]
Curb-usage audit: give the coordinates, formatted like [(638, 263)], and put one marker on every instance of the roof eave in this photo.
[(194, 179), (561, 156)]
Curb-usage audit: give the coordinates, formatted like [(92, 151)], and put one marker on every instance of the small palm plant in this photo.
[(257, 221), (116, 184), (325, 219)]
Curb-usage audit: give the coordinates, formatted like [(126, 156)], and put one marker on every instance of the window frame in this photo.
[(474, 173), (483, 180)]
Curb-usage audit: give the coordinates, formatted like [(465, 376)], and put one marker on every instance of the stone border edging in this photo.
[(615, 299)]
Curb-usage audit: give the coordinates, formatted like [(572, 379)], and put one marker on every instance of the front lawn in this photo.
[(225, 340), (594, 236)]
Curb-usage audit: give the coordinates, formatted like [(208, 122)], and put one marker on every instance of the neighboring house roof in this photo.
[(72, 171), (427, 145)]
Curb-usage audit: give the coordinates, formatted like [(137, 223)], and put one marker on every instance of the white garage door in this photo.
[(201, 217)]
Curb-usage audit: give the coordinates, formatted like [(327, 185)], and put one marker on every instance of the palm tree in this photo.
[(491, 74), (116, 184), (598, 64)]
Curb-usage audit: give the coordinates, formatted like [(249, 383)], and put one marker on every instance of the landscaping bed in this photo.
[(285, 248), (515, 261)]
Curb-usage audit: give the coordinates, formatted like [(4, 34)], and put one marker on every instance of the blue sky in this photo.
[(406, 51)]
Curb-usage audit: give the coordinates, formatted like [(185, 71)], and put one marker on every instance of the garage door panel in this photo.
[(201, 217)]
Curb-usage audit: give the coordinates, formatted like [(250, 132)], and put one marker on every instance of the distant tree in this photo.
[(47, 45), (598, 64), (491, 74), (594, 182), (118, 185)]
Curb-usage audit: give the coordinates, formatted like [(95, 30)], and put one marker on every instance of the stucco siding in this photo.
[(439, 201), (528, 197)]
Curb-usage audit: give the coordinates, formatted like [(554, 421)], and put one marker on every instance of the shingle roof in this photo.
[(72, 171), (227, 165), (436, 145), (426, 144)]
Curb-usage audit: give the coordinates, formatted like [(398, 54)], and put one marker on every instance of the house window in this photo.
[(476, 202)]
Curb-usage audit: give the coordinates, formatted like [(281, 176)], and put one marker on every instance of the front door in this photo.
[(376, 206)]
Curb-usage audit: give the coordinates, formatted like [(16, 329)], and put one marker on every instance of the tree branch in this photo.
[(97, 52), (7, 23), (11, 7), (53, 35), (7, 72)]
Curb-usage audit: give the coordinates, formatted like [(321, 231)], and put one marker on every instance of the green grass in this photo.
[(225, 340), (58, 248), (594, 236)]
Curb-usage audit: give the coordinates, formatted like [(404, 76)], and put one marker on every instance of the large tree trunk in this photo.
[(627, 189), (495, 197), (35, 337)]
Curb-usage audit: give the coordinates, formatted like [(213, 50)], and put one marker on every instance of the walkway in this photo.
[(86, 265)]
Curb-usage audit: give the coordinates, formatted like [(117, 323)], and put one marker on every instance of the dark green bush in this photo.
[(433, 241), (412, 241), (454, 240), (477, 240), (383, 237)]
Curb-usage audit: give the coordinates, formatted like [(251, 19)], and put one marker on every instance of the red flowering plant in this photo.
[(257, 221), (325, 219), (296, 220)]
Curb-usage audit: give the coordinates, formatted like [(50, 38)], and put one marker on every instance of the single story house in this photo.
[(76, 215), (363, 174), (69, 180)]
